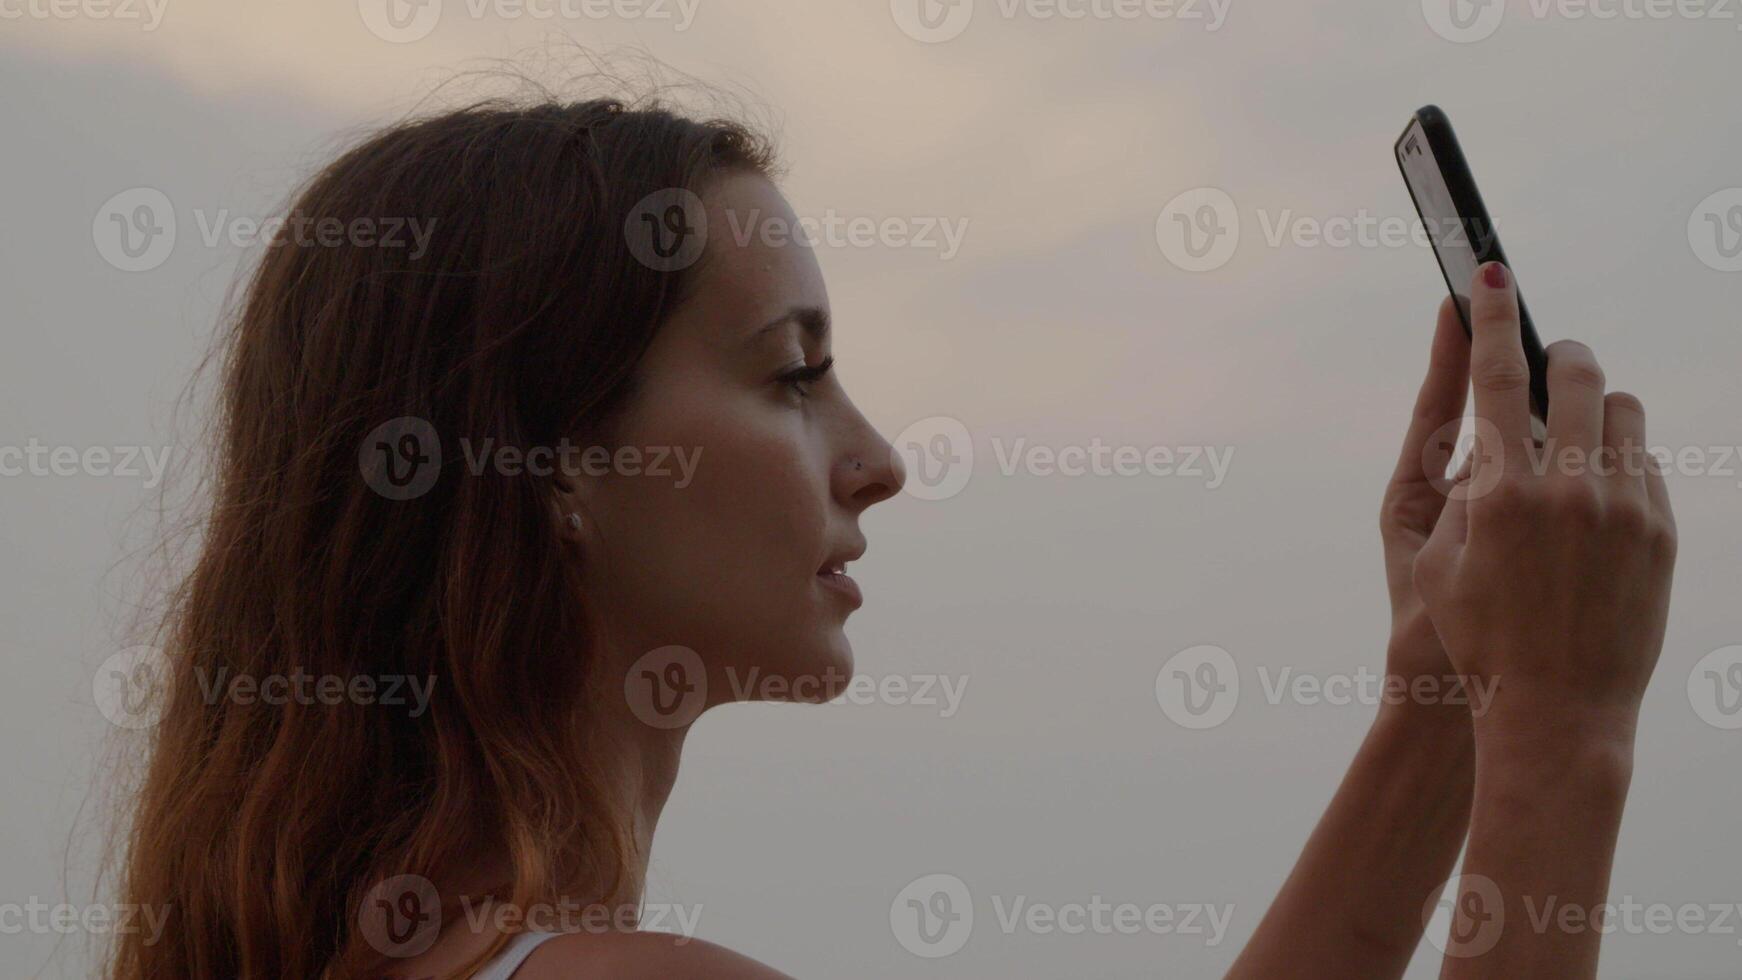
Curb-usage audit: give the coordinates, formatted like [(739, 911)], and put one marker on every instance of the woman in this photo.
[(438, 472)]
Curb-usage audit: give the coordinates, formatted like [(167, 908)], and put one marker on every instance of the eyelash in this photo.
[(797, 378)]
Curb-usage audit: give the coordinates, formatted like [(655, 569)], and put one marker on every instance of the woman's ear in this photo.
[(570, 510)]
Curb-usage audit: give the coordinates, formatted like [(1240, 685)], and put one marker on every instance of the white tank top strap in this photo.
[(514, 954)]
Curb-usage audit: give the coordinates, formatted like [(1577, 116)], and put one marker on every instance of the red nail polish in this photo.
[(1494, 275)]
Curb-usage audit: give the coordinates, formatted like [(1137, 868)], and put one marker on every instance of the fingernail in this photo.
[(1494, 275)]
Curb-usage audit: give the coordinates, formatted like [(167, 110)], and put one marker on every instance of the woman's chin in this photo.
[(821, 675)]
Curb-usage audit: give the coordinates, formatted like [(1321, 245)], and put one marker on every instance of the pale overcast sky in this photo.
[(1062, 314)]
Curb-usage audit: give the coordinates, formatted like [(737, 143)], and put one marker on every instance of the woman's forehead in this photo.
[(758, 265)]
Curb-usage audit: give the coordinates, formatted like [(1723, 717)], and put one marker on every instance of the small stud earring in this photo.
[(575, 521), (858, 464)]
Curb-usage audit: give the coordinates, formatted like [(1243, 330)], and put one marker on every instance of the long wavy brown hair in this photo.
[(262, 828)]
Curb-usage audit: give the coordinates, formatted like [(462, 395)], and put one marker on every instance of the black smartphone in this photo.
[(1457, 224)]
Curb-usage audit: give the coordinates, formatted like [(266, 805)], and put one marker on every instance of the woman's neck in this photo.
[(648, 765), (639, 763)]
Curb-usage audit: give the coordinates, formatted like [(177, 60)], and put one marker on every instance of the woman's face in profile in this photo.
[(728, 549)]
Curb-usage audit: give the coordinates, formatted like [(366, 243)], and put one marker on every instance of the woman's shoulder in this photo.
[(637, 955)]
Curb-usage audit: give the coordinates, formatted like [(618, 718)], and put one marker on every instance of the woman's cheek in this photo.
[(775, 480)]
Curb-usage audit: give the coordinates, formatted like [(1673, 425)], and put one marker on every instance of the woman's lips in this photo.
[(842, 583)]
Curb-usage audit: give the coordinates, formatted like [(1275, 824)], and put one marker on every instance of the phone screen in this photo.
[(1439, 214), (1458, 226)]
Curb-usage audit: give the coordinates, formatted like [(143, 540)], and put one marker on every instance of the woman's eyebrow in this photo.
[(813, 319)]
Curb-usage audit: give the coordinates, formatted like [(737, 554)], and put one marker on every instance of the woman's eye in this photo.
[(800, 379)]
